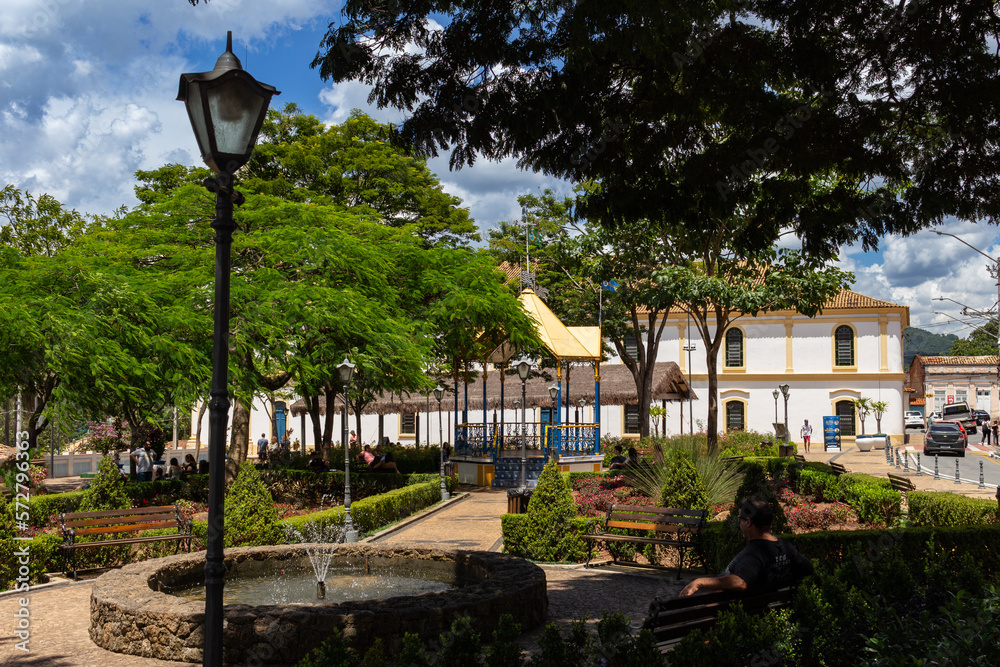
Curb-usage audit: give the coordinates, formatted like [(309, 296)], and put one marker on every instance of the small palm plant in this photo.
[(864, 407), (720, 481), (878, 409)]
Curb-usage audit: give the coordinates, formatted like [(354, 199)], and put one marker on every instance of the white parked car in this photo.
[(914, 419), (935, 417)]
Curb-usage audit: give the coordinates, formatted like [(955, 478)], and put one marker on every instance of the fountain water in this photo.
[(320, 540)]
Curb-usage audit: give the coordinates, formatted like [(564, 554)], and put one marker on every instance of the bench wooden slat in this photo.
[(900, 483), (671, 620), (135, 511), (116, 521), (131, 528), (666, 511), (663, 521), (838, 468)]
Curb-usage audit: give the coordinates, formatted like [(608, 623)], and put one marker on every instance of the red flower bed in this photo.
[(595, 495)]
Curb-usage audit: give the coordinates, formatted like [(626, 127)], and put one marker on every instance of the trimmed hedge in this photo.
[(374, 512), (195, 487), (940, 508), (872, 498), (516, 535)]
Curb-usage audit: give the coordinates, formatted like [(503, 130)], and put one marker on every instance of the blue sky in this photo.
[(87, 92)]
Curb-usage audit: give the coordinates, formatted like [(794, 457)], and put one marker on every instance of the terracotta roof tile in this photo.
[(851, 299), (987, 360)]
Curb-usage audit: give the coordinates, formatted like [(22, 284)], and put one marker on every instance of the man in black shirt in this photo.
[(617, 462), (766, 563)]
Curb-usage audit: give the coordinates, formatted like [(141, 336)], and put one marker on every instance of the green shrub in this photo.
[(251, 518), (8, 531), (962, 631), (755, 485), (107, 490), (721, 540), (823, 485), (872, 498), (748, 443), (739, 639), (682, 486), (550, 514), (933, 508)]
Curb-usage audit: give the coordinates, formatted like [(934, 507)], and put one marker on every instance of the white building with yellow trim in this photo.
[(852, 349)]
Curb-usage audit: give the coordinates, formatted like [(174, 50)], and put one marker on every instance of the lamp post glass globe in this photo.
[(439, 394), (785, 392), (226, 108)]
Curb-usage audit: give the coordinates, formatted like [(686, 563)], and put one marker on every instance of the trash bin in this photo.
[(785, 450), (517, 500)]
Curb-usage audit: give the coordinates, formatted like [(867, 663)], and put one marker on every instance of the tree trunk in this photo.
[(331, 411), (239, 440), (712, 421)]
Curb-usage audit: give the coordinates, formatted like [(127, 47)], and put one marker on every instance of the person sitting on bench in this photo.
[(618, 461), (766, 562), (316, 463), (633, 458)]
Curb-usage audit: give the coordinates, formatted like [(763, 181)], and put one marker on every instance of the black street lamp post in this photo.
[(523, 369), (775, 394), (345, 371), (784, 392), (439, 394), (226, 107)]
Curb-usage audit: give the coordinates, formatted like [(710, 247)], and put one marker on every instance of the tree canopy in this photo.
[(842, 120)]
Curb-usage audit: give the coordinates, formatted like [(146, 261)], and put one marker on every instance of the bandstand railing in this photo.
[(496, 440), (571, 439)]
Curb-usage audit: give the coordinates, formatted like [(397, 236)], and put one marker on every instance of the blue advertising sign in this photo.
[(831, 433)]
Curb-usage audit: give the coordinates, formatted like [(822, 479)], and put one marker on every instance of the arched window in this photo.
[(843, 339), (734, 348), (845, 410), (735, 416)]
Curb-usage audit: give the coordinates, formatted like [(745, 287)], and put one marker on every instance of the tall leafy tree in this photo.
[(355, 165), (981, 342), (694, 112)]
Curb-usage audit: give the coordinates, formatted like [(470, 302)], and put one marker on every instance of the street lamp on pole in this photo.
[(439, 394), (226, 108), (523, 369), (775, 394), (784, 392), (345, 371)]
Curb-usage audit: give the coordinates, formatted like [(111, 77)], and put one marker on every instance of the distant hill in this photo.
[(917, 341)]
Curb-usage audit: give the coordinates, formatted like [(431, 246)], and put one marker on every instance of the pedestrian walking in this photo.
[(987, 431), (995, 427), (806, 432), (262, 444)]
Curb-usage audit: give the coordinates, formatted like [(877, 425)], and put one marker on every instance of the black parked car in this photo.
[(982, 417), (945, 436)]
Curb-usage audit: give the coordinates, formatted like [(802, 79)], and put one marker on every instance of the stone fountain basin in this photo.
[(130, 612)]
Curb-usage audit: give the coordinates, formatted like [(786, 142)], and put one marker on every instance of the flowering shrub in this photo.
[(810, 516), (789, 497), (107, 438), (37, 475), (595, 495)]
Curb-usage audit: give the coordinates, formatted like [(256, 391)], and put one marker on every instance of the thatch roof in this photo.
[(617, 388)]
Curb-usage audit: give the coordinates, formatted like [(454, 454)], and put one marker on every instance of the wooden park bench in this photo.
[(799, 458), (681, 528), (78, 524), (671, 620), (726, 460), (838, 468), (900, 483)]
